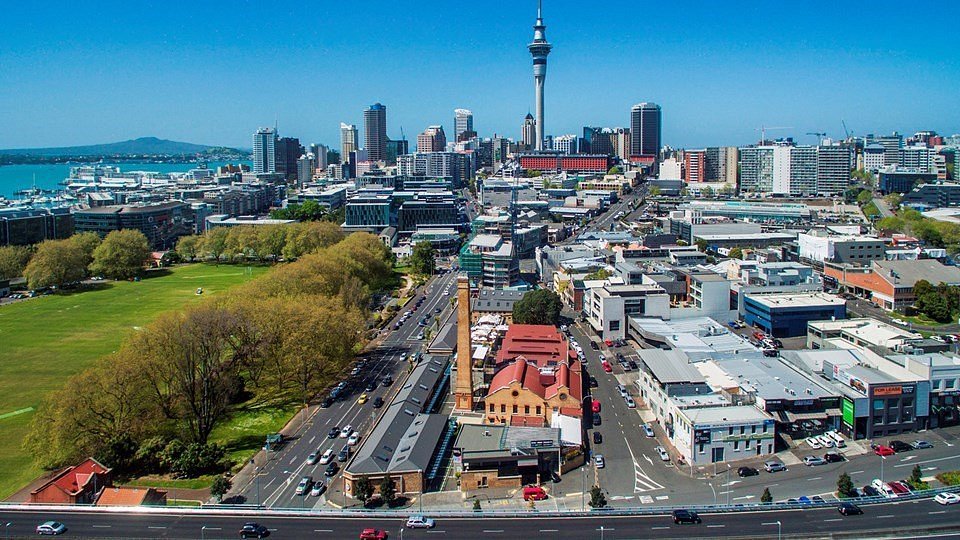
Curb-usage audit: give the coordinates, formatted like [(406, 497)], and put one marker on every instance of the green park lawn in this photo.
[(45, 340)]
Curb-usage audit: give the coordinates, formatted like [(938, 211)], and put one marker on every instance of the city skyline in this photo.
[(716, 82)]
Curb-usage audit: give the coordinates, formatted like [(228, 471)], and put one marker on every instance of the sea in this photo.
[(14, 178)]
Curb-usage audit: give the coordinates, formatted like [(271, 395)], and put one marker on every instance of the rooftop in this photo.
[(789, 300), (908, 273), (478, 441), (733, 414), (670, 366), (770, 379)]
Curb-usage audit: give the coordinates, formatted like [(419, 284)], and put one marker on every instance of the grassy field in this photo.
[(45, 340)]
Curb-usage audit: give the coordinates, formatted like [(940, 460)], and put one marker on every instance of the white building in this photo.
[(671, 169), (565, 144), (608, 307), (818, 246)]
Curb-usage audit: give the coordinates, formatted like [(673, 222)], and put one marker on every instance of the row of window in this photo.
[(526, 409)]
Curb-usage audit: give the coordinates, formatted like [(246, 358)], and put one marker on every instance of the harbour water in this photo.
[(14, 178)]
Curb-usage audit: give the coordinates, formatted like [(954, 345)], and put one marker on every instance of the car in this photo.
[(812, 442), (662, 452), (333, 433), (331, 469), (403, 356), (326, 403), (362, 399), (833, 457), (622, 390), (534, 493), (597, 420), (387, 381), (900, 489), (607, 367), (421, 335), (597, 437), (883, 488), (633, 365), (947, 498), (354, 372), (625, 366), (921, 444), (353, 439), (313, 457), (608, 343), (804, 500), (51, 528), (594, 346), (593, 382), (837, 438), (631, 404), (373, 534), (773, 466), (883, 451), (901, 322), (900, 446), (849, 509), (318, 488), (420, 522), (681, 516), (599, 461), (304, 486), (825, 441), (647, 430), (253, 530), (744, 472), (346, 431), (371, 386), (870, 491), (595, 406), (812, 461), (377, 403), (343, 454), (327, 456)]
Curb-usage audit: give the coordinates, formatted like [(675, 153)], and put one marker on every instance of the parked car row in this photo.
[(898, 447)]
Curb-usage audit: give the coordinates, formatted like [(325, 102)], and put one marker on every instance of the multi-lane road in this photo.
[(891, 520), (275, 474)]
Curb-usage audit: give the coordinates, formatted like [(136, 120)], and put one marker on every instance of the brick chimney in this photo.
[(463, 391)]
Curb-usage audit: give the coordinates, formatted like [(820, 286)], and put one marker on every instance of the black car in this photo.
[(331, 469), (371, 386), (593, 382), (685, 516), (597, 437), (633, 365), (377, 403), (253, 530), (870, 491), (387, 381), (900, 446), (849, 509), (743, 472), (833, 457), (326, 403), (594, 346), (333, 433), (596, 419), (343, 455)]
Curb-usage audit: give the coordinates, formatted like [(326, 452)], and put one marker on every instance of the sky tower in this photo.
[(539, 49)]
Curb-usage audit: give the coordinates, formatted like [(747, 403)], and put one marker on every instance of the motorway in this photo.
[(894, 519), (278, 472)]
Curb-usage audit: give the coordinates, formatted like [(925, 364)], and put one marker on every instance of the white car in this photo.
[(623, 390), (901, 322), (327, 456), (420, 522), (599, 461), (664, 456), (346, 431), (947, 498), (837, 438), (825, 441), (631, 404), (812, 442), (318, 489), (353, 439), (52, 528)]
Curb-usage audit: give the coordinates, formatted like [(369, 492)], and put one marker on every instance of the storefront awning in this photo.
[(793, 417), (529, 462)]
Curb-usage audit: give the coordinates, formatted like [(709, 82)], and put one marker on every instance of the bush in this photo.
[(949, 478), (193, 459)]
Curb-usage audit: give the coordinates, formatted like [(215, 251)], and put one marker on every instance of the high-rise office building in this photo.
[(348, 141), (620, 141), (396, 148), (720, 164), (803, 171), (565, 144), (596, 141), (462, 123), (694, 166), (891, 146), (375, 132), (319, 152), (529, 132), (306, 166), (265, 151), (834, 163), (432, 139), (795, 170), (288, 152), (539, 49), (645, 126)]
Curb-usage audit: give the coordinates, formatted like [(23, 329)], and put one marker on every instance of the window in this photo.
[(514, 409), (503, 407), (878, 404), (492, 407), (743, 429), (538, 410), (526, 409), (936, 384), (700, 449), (746, 445), (907, 416), (730, 430), (614, 326), (753, 429), (736, 445), (951, 383)]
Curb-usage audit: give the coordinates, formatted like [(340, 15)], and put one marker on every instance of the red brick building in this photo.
[(694, 164), (593, 163), (78, 484)]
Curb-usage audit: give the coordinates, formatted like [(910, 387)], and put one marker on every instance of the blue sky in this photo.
[(211, 72)]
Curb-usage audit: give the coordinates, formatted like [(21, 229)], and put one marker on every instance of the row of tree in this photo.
[(932, 232), (258, 242), (57, 263), (278, 339), (939, 302), (309, 211)]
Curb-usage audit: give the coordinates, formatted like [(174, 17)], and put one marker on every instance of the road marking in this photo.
[(715, 526), (814, 478), (857, 472), (885, 516), (927, 461), (731, 483), (493, 531), (217, 529), (908, 458), (312, 439), (938, 512), (323, 530), (101, 526), (834, 519), (747, 497), (156, 527), (657, 528), (549, 530)]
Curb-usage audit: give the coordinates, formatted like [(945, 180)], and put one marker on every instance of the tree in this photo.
[(423, 260), (726, 191), (87, 242), (766, 497), (13, 260), (654, 191), (188, 247), (893, 200), (363, 489), (476, 505), (701, 245), (221, 485), (541, 306), (602, 273), (215, 242), (614, 170), (864, 197), (707, 191), (890, 224), (597, 499), (121, 255), (56, 263), (845, 486), (736, 253), (388, 490), (916, 479)]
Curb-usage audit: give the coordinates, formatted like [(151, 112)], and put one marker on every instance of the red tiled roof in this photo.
[(74, 479), (520, 371), (540, 343), (123, 496), (527, 421)]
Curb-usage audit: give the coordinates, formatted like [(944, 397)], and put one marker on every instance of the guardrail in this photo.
[(225, 509)]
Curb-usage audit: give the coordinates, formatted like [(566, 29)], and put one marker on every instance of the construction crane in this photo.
[(763, 131), (819, 135), (845, 130)]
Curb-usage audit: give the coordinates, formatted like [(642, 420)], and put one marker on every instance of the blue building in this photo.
[(787, 314)]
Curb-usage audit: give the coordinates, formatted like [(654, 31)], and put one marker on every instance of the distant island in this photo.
[(144, 149)]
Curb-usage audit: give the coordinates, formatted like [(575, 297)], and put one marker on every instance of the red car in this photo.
[(534, 493), (608, 343), (883, 451), (595, 406), (607, 367), (373, 534)]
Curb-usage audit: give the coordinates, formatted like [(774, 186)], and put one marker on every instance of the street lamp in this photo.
[(779, 530), (203, 532), (6, 530)]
